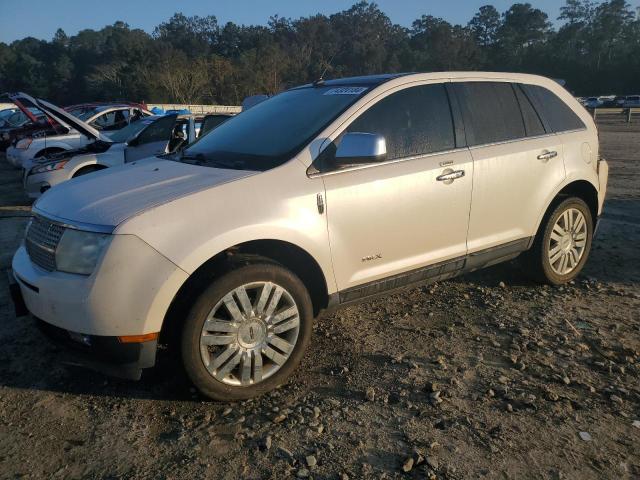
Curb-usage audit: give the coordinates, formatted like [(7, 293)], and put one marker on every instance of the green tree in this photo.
[(485, 25)]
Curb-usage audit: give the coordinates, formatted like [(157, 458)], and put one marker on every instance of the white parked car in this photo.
[(318, 197), (155, 135), (96, 121)]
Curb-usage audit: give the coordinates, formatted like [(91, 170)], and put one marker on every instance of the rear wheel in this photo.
[(562, 244), (247, 332)]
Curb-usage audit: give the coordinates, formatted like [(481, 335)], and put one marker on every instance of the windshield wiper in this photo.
[(200, 159), (196, 159)]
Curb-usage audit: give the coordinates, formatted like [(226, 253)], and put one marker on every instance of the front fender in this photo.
[(81, 161)]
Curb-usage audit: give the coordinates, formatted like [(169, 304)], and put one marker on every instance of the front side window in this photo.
[(413, 121), (558, 115), (490, 111), (273, 131)]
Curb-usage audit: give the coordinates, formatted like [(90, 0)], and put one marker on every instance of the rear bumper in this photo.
[(603, 178)]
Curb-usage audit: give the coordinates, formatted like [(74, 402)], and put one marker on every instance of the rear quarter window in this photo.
[(558, 116)]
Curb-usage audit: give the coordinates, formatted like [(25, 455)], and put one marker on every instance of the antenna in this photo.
[(320, 81)]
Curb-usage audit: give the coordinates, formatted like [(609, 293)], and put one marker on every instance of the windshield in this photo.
[(124, 134), (273, 131)]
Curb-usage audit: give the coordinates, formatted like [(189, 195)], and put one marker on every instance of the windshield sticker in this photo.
[(345, 91)]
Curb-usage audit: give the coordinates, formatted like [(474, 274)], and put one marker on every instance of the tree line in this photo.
[(595, 48)]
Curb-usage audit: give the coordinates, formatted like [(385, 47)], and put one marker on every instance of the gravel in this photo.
[(484, 376)]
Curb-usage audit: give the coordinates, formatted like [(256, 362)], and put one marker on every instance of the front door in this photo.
[(389, 218)]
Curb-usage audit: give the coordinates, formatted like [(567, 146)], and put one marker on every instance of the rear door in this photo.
[(517, 163), (153, 140), (398, 215)]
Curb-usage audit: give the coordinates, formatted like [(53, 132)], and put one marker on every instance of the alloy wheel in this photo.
[(250, 334), (567, 241)]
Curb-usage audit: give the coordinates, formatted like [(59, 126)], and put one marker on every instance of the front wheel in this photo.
[(562, 244), (247, 332)]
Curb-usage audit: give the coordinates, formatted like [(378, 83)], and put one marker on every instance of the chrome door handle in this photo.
[(546, 156), (449, 175)]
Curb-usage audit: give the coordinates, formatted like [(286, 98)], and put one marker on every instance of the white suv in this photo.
[(318, 197)]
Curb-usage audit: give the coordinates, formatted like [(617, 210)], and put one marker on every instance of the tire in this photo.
[(246, 342), (537, 262)]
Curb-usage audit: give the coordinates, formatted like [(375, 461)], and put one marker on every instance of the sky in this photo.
[(41, 18)]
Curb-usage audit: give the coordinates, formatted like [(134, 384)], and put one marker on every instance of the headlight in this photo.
[(48, 167), (78, 251), (24, 143)]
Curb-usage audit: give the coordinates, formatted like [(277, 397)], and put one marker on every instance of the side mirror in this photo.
[(361, 148)]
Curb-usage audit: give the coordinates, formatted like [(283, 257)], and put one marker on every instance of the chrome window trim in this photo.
[(386, 162), (575, 130), (506, 142), (63, 222), (524, 139)]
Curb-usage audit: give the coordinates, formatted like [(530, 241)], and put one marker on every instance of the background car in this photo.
[(109, 116), (632, 101), (17, 125), (97, 118), (149, 136), (6, 113), (593, 102)]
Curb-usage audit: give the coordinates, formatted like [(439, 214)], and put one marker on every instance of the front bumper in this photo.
[(105, 354), (38, 183), (128, 294)]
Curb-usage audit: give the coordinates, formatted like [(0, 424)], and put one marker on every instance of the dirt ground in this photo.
[(484, 376)]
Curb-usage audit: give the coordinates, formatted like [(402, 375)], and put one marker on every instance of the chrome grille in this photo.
[(41, 242)]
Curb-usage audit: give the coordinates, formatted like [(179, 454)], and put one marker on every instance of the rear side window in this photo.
[(414, 121), (557, 114), (532, 123), (490, 111)]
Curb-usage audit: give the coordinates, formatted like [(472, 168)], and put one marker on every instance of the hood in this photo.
[(57, 114), (110, 196)]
